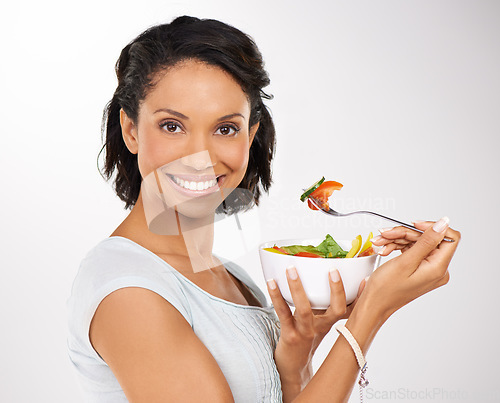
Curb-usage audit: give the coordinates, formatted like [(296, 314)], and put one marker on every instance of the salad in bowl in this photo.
[(313, 263)]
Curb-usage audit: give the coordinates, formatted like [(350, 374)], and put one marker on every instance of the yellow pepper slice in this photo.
[(275, 251), (367, 243), (356, 245)]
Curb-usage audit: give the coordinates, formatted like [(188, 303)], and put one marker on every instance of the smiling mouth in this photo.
[(195, 184)]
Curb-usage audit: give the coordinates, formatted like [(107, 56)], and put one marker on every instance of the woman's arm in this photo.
[(153, 351), (420, 269)]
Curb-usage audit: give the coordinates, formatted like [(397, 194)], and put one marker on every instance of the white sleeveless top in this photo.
[(242, 339)]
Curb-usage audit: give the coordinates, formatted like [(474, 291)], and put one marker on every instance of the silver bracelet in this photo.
[(363, 382)]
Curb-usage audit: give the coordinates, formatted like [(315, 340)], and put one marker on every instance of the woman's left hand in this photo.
[(303, 331), (398, 238)]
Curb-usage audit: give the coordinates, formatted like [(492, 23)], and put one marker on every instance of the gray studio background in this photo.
[(398, 100)]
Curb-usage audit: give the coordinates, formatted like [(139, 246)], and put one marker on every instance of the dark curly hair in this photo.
[(163, 46)]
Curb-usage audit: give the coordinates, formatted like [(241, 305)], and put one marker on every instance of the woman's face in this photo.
[(193, 134)]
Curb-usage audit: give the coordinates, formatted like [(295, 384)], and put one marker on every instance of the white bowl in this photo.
[(313, 272)]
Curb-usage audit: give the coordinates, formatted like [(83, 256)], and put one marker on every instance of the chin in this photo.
[(199, 207), (192, 214)]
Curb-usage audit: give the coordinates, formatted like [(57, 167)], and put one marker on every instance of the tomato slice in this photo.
[(323, 192), (311, 206), (307, 254), (367, 252), (366, 245), (280, 250)]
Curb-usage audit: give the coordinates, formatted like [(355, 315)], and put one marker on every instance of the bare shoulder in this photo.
[(153, 351)]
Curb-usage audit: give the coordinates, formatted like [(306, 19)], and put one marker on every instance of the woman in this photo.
[(154, 316)]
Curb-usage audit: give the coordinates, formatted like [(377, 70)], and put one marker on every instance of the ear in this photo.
[(252, 132), (129, 132)]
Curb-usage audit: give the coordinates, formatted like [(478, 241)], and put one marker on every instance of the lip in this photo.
[(196, 178), (193, 177)]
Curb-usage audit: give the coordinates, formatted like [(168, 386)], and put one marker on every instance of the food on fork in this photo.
[(320, 191)]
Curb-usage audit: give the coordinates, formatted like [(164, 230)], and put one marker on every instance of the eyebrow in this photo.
[(182, 116)]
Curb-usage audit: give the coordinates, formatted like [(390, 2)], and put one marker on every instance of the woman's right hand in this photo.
[(422, 267)]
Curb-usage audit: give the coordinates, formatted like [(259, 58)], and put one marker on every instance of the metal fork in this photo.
[(321, 207)]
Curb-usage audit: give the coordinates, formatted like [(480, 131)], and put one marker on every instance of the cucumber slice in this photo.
[(306, 194)]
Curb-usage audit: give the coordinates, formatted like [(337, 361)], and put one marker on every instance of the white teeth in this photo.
[(193, 185)]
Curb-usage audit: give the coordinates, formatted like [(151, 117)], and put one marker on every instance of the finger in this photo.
[(429, 240), (411, 236), (351, 306), (348, 310), (380, 241), (394, 246), (280, 306), (400, 233), (405, 248), (337, 306), (387, 249), (450, 233), (423, 225), (361, 287), (439, 259), (399, 246), (303, 312), (453, 234)]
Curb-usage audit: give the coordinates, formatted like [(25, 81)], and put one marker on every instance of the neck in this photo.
[(172, 234)]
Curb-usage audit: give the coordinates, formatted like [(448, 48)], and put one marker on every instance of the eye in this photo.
[(227, 130), (171, 126)]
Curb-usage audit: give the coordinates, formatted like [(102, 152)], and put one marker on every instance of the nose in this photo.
[(199, 160), (198, 154)]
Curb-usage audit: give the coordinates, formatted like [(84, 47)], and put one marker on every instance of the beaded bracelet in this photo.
[(363, 382)]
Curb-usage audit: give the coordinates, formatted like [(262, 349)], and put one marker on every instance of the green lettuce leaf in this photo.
[(294, 249), (328, 249)]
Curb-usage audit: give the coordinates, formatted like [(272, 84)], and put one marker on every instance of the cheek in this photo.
[(153, 155), (235, 156)]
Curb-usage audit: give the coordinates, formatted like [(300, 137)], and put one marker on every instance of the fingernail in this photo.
[(272, 284), (292, 273), (382, 230), (376, 239), (366, 279), (334, 275), (441, 225), (381, 251)]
